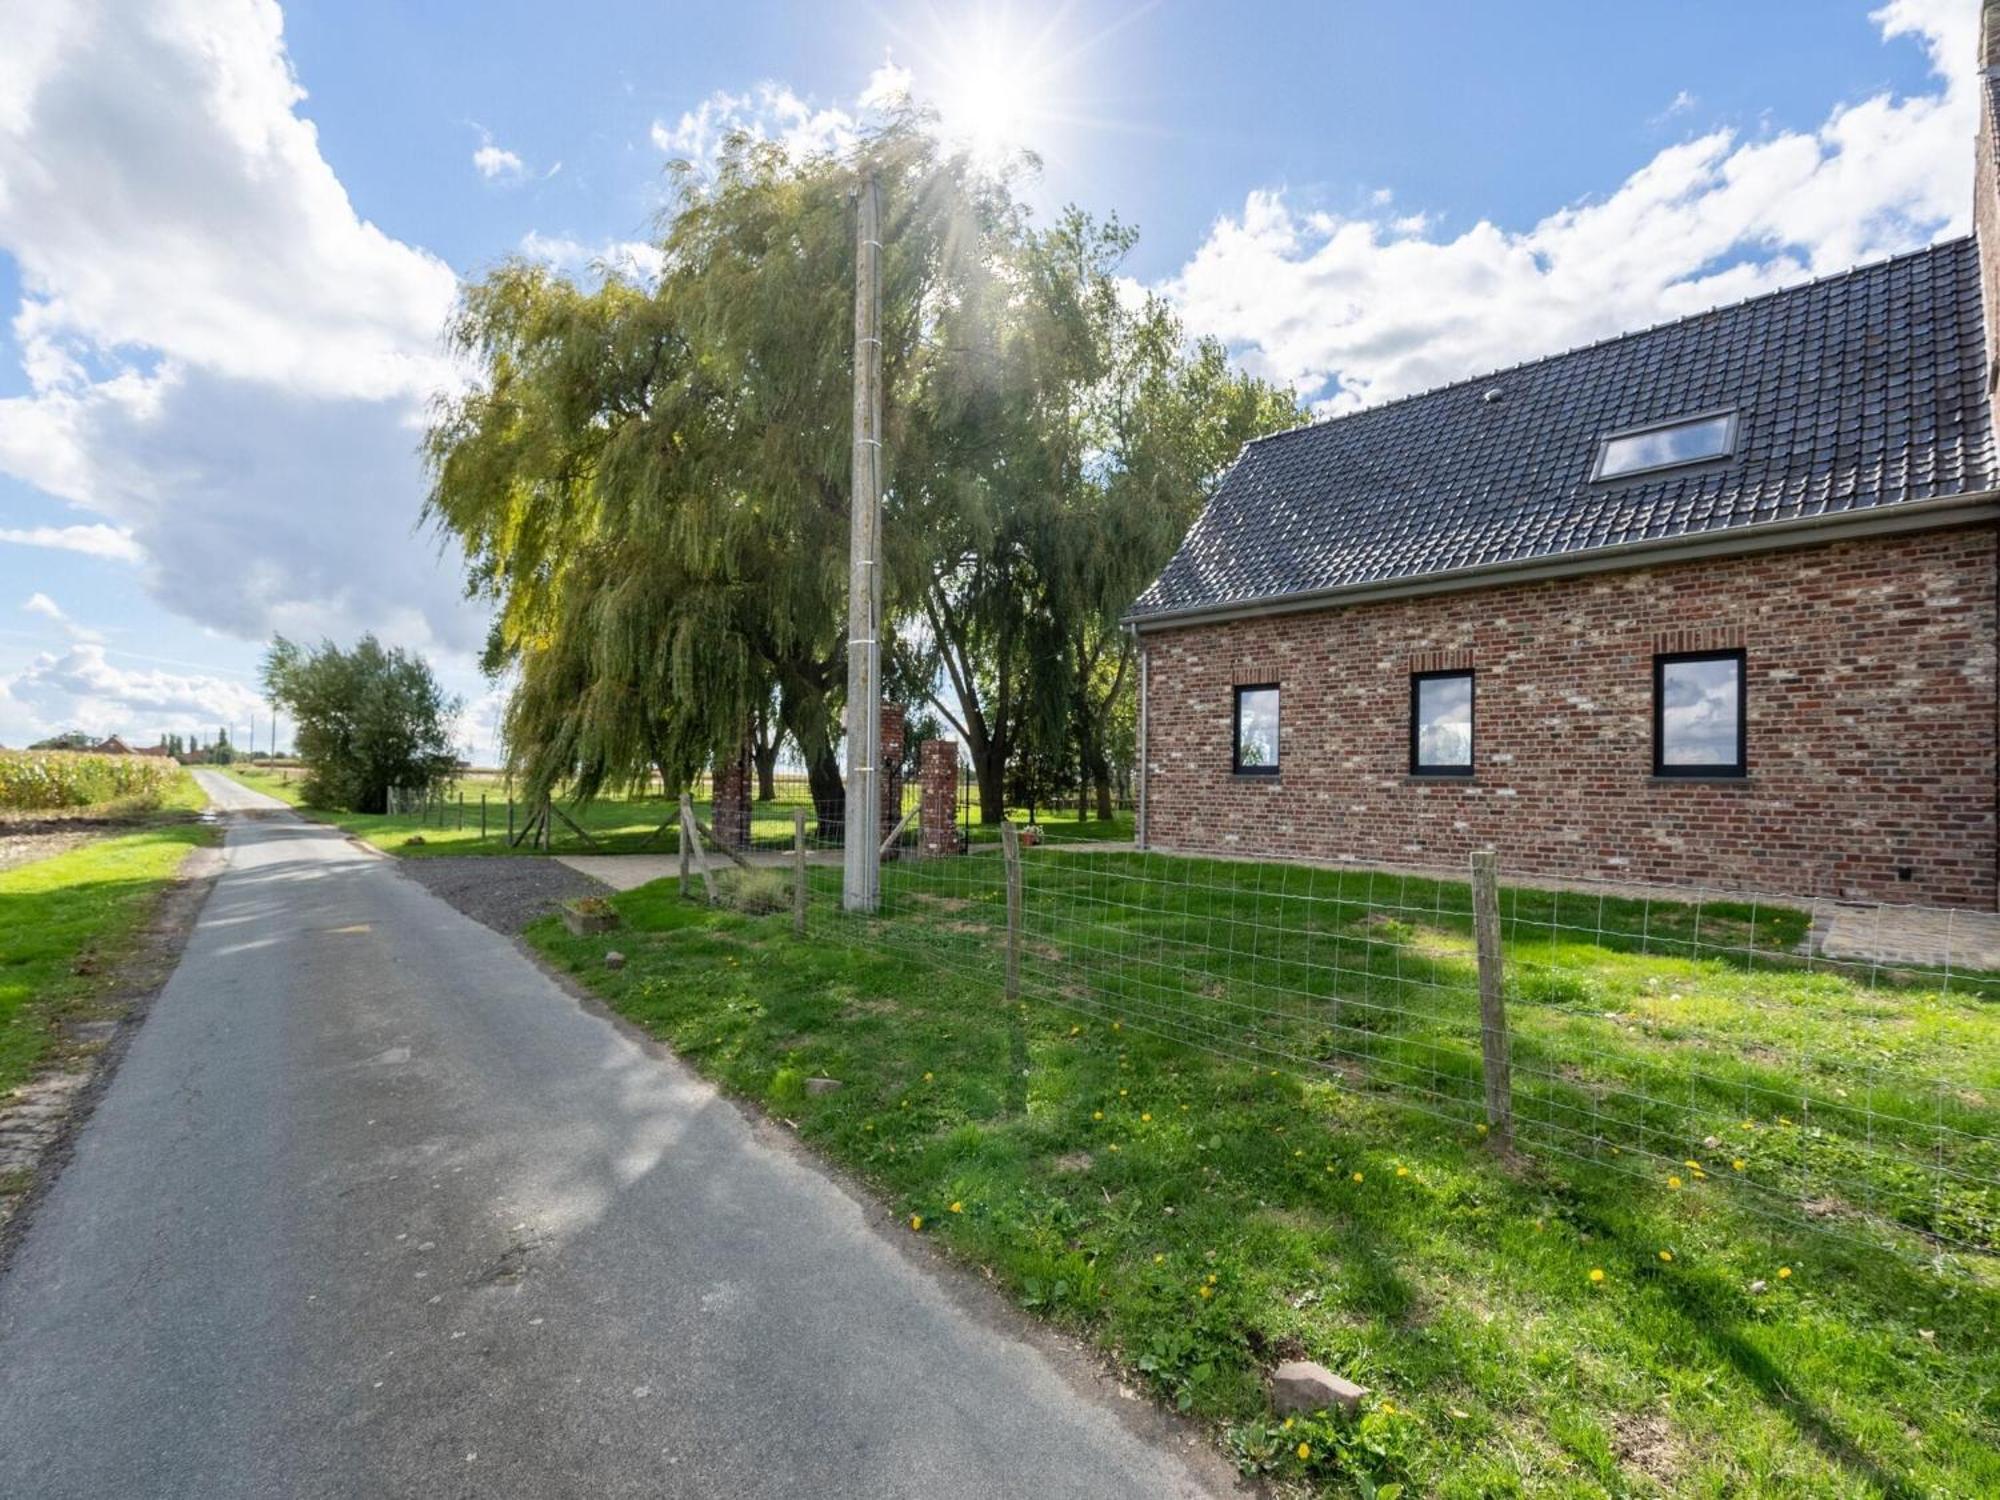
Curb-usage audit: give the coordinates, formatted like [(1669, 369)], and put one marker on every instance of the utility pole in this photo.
[(861, 882)]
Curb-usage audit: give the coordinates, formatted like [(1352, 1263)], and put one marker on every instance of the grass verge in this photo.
[(66, 922), (1202, 1218)]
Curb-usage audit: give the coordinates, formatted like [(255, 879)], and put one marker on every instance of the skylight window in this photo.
[(1667, 445)]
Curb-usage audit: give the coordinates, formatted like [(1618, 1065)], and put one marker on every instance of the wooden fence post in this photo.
[(482, 817), (686, 841), (692, 845), (1492, 1004), (1010, 844), (798, 872), (510, 820)]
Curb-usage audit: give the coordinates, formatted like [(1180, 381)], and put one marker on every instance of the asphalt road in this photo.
[(374, 1208)]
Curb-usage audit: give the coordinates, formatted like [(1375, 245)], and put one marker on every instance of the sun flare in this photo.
[(997, 80)]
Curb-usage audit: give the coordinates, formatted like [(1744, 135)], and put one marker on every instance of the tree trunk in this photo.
[(989, 768), (829, 796), (1097, 773), (766, 757)]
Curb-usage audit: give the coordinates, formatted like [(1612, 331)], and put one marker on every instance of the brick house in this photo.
[(1710, 603)]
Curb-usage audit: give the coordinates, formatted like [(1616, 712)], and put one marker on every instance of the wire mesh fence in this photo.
[(1812, 1062)]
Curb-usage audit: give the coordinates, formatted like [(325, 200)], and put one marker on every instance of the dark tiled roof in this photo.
[(1857, 391)]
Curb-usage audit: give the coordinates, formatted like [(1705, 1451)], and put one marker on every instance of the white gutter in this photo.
[(1796, 531)]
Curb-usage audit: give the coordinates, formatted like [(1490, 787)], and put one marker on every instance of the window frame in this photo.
[(1733, 416), (1737, 771), (1236, 766), (1417, 679)]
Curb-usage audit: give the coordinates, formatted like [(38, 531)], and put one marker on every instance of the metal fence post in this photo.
[(799, 872), (1492, 1005), (1010, 843)]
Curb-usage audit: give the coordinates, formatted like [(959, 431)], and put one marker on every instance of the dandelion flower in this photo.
[(1692, 1166), (957, 1207), (1123, 1092), (1402, 1171), (1207, 1292), (1305, 1452), (928, 1077), (1673, 1182), (916, 1221), (1287, 1427), (1597, 1276), (1159, 1260), (1737, 1164), (1784, 1273), (1299, 1152), (1097, 1114), (1388, 1408), (1114, 1145), (1357, 1176), (1211, 1278), (1145, 1117), (1117, 1025), (1667, 1256), (1480, 1127)]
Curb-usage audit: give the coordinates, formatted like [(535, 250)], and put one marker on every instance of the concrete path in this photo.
[(374, 1208)]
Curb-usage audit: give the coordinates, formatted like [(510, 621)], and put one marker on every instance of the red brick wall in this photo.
[(1872, 722)]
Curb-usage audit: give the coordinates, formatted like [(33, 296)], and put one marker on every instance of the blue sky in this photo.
[(222, 293)]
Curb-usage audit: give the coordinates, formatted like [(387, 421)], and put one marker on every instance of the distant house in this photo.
[(111, 745), (1713, 602)]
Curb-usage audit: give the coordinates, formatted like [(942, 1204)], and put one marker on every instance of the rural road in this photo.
[(373, 1207)]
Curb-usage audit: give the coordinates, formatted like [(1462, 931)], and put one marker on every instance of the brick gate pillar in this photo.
[(731, 812), (890, 778), (937, 776)]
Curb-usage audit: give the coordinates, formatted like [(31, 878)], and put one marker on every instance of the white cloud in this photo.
[(227, 364), (888, 87), (1362, 309), (80, 689), (633, 260), (41, 604), (111, 542), (1683, 101), (770, 111), (493, 161)]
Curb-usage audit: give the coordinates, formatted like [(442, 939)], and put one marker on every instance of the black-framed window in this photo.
[(1666, 445), (1700, 714), (1254, 751), (1441, 723)]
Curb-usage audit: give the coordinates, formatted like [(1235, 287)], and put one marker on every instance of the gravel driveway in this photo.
[(504, 893)]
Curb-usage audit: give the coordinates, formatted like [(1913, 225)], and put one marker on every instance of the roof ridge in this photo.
[(1953, 242)]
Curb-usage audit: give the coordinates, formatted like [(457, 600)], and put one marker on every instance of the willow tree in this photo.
[(1044, 487), (651, 484)]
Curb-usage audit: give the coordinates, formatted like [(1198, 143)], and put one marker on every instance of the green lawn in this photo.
[(1111, 1154), (65, 923), (620, 825)]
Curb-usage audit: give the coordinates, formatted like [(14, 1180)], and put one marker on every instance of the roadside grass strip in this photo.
[(1193, 1158), (65, 922)]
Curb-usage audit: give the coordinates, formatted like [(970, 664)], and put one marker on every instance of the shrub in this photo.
[(37, 779)]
